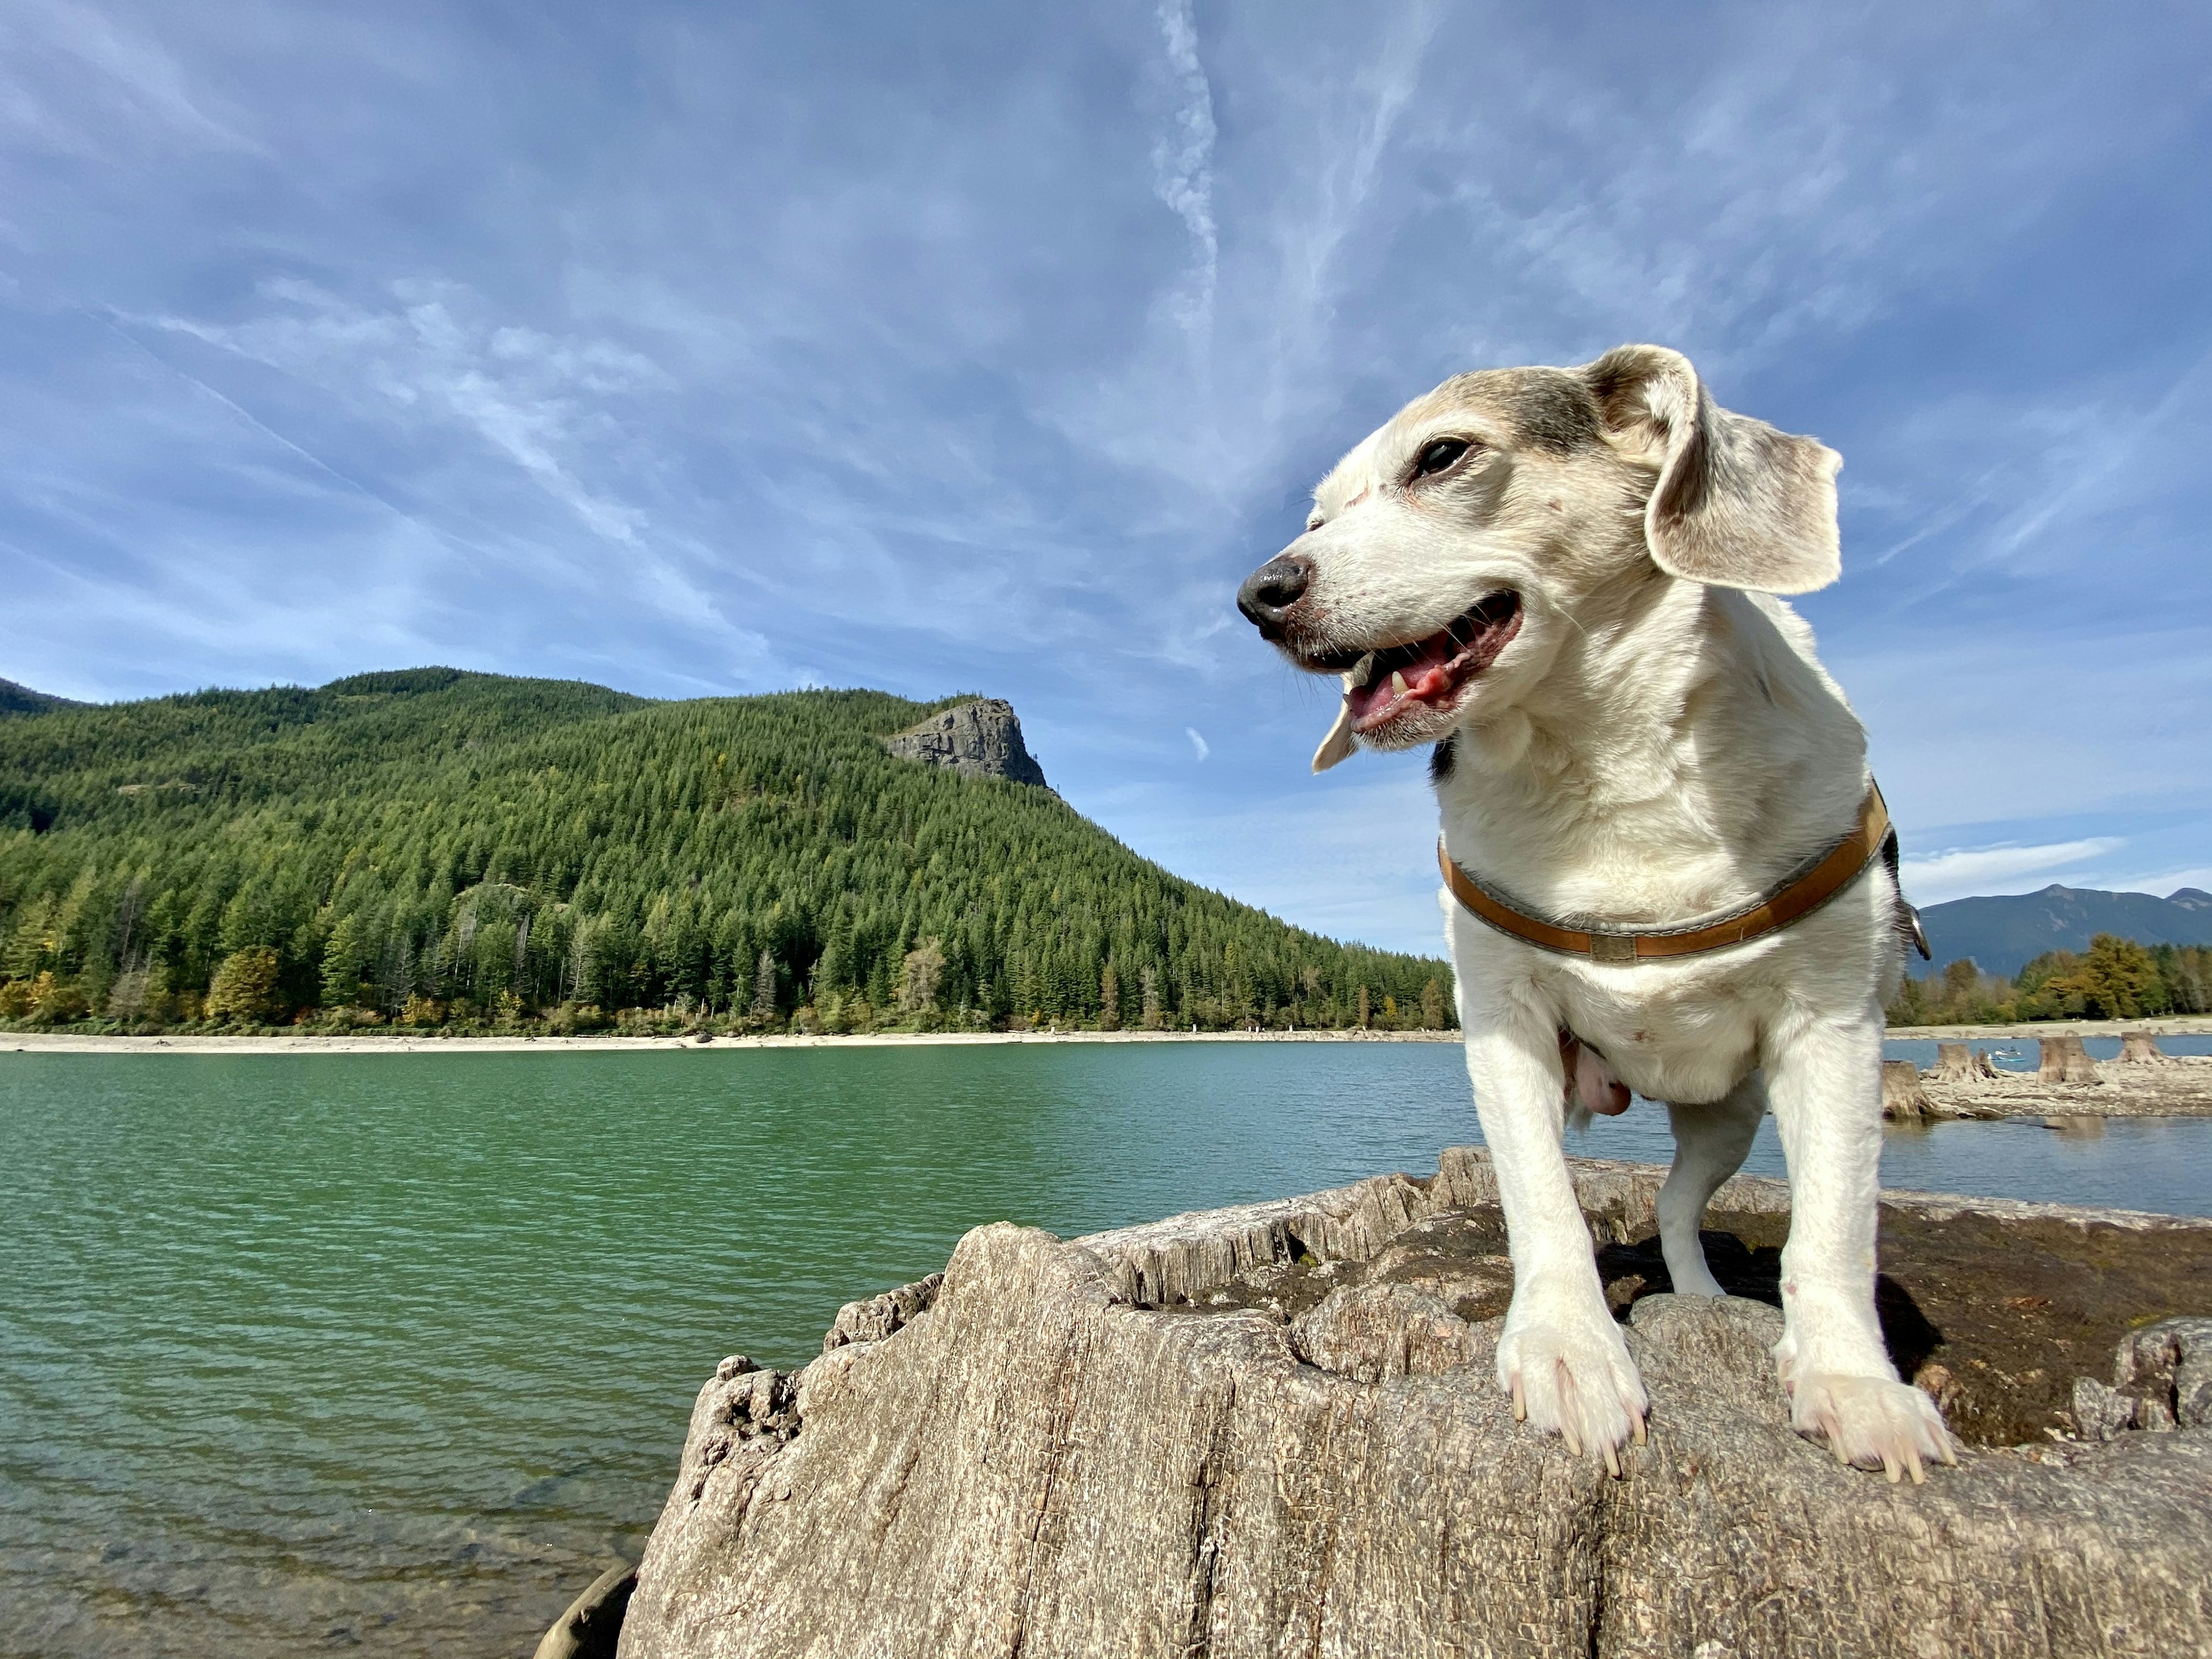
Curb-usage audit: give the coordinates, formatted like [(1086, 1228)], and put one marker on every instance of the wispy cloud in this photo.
[(1183, 167), (2167, 881), (532, 399), (1197, 744), (718, 349), (83, 81), (1963, 871)]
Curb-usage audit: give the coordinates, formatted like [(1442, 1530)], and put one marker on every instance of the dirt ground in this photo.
[(1994, 1317)]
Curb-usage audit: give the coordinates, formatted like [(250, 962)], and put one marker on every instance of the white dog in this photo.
[(1658, 803)]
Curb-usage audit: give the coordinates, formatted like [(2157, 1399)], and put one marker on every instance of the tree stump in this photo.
[(1902, 1097), (2065, 1060), (1956, 1063), (2140, 1048)]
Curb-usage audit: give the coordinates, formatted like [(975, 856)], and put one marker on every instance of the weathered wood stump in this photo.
[(592, 1624), (1278, 1430), (1956, 1063), (2065, 1060), (2140, 1048), (1902, 1097)]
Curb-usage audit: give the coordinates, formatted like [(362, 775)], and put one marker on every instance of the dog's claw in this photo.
[(1875, 1423), (1575, 1384)]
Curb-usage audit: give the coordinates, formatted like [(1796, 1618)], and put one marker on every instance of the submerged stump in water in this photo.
[(1902, 1097), (1956, 1063), (2065, 1060), (2140, 1048)]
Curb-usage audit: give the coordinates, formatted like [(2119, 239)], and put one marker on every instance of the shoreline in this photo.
[(2162, 1026), (64, 1042), (393, 1042)]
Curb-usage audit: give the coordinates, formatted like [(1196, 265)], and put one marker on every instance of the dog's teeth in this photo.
[(1398, 681)]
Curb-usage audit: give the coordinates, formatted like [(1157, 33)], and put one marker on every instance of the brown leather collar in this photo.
[(1797, 897)]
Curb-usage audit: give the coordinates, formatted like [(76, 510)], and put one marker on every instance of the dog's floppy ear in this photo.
[(1738, 504)]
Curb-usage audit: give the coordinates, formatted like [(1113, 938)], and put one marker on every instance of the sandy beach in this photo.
[(399, 1043), (2163, 1025), (63, 1042)]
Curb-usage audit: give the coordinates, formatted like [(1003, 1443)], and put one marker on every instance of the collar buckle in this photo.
[(1612, 947)]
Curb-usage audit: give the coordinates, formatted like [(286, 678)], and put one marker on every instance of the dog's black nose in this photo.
[(1269, 592)]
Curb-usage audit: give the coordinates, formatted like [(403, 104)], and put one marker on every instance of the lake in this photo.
[(306, 1353)]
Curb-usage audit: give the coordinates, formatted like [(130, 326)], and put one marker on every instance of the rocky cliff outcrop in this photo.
[(978, 740), (1275, 1430)]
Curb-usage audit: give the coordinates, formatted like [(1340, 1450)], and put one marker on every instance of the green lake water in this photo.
[(304, 1354)]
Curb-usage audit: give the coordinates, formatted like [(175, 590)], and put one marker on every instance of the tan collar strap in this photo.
[(1798, 896)]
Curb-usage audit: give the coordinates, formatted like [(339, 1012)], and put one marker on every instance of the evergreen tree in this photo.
[(344, 960)]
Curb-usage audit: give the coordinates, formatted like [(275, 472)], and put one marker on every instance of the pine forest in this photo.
[(434, 849)]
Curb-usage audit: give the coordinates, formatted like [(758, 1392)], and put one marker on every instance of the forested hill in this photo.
[(433, 847)]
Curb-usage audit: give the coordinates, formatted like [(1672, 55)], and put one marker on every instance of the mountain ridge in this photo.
[(16, 698), (2001, 933)]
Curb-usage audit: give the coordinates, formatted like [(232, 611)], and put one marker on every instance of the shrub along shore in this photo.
[(2114, 979)]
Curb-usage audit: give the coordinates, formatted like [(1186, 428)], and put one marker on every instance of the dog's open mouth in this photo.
[(1429, 672)]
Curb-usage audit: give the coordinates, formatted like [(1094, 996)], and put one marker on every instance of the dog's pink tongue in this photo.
[(1427, 676), (1364, 700)]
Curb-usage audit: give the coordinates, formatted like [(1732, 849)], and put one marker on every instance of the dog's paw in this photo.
[(1872, 1423), (1577, 1382), (1785, 1358)]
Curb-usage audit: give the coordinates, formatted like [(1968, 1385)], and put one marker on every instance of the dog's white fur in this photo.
[(1657, 744)]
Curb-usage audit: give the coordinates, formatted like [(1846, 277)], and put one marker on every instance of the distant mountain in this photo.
[(21, 700), (2003, 935)]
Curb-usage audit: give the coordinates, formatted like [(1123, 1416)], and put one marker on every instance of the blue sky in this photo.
[(715, 350)]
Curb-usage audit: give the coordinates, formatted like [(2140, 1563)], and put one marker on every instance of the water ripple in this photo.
[(303, 1352)]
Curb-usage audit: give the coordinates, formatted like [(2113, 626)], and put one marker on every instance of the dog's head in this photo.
[(1450, 555)]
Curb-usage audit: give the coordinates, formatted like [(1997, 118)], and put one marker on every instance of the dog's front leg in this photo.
[(1561, 1357), (1823, 1079)]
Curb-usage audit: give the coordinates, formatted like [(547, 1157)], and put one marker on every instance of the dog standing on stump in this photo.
[(1666, 866)]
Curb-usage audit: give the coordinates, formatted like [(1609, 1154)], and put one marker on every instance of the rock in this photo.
[(2065, 1060), (1275, 1430), (2161, 1379), (593, 1623), (978, 740), (1901, 1096)]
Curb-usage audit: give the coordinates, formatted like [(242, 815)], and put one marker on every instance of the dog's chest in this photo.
[(1679, 1032)]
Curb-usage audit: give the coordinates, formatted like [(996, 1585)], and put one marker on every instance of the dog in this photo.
[(1567, 581)]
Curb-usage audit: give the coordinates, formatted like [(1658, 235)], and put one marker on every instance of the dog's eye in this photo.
[(1439, 455)]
